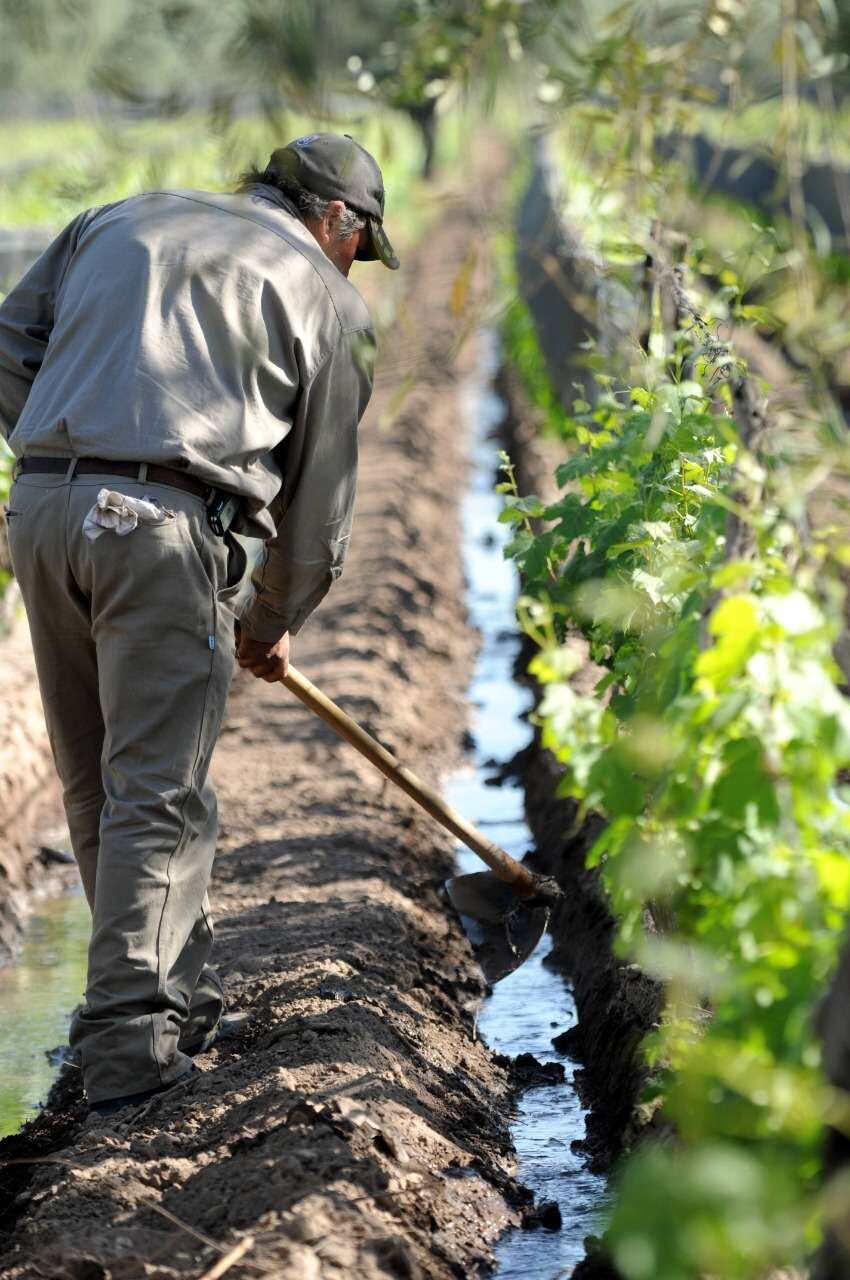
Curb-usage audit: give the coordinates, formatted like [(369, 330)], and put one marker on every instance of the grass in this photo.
[(56, 167)]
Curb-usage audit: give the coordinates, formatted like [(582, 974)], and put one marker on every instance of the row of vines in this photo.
[(699, 544)]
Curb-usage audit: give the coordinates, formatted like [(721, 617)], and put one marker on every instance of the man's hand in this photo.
[(265, 661)]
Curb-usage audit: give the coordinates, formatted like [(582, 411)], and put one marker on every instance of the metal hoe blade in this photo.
[(504, 930)]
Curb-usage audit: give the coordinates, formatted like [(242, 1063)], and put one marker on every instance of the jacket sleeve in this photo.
[(313, 513), (26, 322)]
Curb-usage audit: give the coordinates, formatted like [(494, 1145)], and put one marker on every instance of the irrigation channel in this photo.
[(523, 1011)]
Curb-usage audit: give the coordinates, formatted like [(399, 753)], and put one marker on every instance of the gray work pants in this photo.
[(133, 641)]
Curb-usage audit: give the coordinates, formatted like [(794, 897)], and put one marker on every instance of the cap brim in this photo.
[(378, 247)]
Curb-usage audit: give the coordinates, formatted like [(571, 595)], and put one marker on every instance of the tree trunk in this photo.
[(424, 116)]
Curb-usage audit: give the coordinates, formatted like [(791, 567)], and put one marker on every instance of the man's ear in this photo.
[(333, 213)]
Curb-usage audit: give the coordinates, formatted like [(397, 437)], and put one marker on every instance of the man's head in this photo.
[(338, 189)]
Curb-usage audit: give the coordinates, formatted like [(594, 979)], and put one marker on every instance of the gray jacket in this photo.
[(209, 333)]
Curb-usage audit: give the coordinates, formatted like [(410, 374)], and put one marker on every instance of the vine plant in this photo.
[(712, 745)]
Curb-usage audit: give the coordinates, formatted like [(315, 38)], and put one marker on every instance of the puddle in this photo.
[(534, 1003), (37, 994)]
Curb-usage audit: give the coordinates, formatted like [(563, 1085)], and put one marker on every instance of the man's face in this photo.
[(343, 252), (325, 230)]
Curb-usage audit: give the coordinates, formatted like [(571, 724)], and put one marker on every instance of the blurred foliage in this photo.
[(173, 52), (823, 134), (165, 53), (276, 54), (714, 51), (63, 165), (748, 260), (779, 271), (442, 45)]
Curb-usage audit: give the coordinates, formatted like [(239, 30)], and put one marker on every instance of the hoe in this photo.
[(504, 910)]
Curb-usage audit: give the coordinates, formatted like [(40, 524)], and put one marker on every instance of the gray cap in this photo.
[(335, 167)]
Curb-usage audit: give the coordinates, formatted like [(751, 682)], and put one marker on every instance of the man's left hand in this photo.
[(265, 661)]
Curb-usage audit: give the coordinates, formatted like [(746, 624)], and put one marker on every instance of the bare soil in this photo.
[(356, 1127)]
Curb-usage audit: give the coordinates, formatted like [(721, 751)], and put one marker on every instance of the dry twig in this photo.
[(229, 1259)]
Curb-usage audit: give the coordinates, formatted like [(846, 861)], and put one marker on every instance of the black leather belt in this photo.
[(141, 471)]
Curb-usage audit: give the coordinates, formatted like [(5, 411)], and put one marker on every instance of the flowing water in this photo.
[(526, 1009)]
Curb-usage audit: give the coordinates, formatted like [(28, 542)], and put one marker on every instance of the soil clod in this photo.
[(546, 1214), (529, 1073)]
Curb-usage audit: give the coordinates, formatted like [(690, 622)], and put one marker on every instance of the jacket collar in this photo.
[(271, 195)]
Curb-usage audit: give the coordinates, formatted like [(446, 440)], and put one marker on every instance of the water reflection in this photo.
[(37, 995)]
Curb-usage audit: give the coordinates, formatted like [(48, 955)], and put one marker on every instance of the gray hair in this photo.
[(308, 204)]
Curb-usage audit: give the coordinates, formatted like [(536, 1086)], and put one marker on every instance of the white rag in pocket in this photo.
[(119, 513)]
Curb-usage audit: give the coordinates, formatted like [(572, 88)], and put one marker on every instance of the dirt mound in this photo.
[(355, 1126), (29, 791)]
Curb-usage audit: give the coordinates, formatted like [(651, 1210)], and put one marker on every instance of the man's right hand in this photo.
[(265, 661)]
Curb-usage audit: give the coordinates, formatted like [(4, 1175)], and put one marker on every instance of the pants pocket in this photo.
[(237, 562)]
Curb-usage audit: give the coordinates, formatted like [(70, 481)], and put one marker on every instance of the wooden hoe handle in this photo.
[(505, 867)]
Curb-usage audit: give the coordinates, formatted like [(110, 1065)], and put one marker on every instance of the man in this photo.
[(177, 366)]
